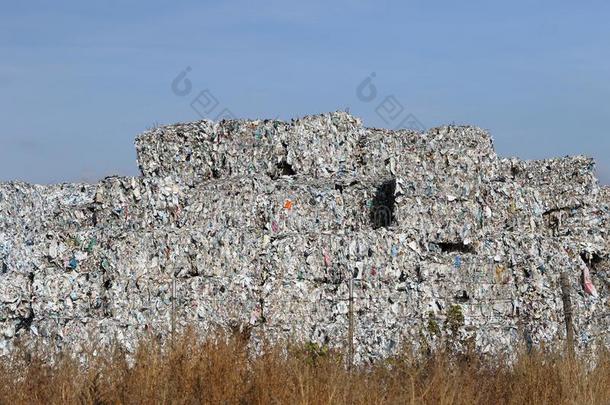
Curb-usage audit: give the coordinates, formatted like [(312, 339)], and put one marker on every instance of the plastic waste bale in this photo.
[(204, 150), (562, 183), (15, 307), (257, 226)]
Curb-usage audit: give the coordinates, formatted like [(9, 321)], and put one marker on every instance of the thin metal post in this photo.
[(173, 307), (350, 336), (567, 311)]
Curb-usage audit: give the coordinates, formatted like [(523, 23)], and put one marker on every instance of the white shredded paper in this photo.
[(261, 223)]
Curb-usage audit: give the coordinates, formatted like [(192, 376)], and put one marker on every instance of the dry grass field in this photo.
[(220, 371)]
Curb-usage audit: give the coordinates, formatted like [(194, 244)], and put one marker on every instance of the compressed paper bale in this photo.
[(590, 223), (537, 279), (252, 147), (280, 206), (30, 208), (604, 197), (57, 292), (82, 334), (382, 336), (143, 271), (15, 296), (260, 224), (308, 206), (575, 222), (22, 205), (21, 214), (334, 136), (288, 204), (179, 148), (305, 310), (204, 150), (380, 151), (376, 293), (408, 153), (562, 183), (517, 208), (407, 305), (133, 203), (453, 221), (28, 212), (219, 301), (327, 241)]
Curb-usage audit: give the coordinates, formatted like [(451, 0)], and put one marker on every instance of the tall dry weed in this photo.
[(220, 370)]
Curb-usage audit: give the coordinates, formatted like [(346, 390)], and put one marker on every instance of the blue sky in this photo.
[(79, 80)]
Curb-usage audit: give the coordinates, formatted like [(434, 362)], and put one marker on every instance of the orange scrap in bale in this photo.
[(288, 204)]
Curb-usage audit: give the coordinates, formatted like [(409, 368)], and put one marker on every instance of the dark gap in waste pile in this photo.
[(462, 296), (382, 208), (25, 322), (554, 217), (593, 261), (561, 209), (285, 169), (455, 247), (342, 186), (92, 209), (420, 278)]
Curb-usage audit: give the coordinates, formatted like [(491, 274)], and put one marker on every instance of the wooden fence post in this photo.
[(567, 311), (350, 334), (173, 307)]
